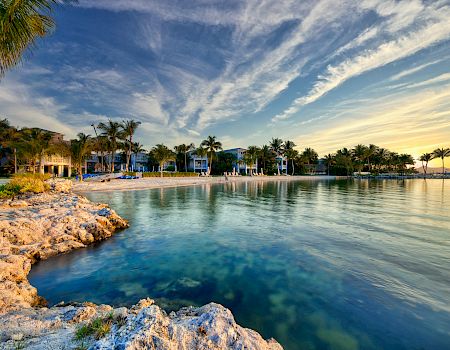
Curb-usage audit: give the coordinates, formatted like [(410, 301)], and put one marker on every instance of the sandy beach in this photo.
[(157, 182)]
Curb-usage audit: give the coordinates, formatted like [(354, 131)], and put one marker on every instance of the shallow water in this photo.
[(316, 265)]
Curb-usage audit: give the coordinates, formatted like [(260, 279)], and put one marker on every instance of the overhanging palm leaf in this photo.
[(21, 23)]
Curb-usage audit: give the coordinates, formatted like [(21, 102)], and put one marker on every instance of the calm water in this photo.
[(317, 265)]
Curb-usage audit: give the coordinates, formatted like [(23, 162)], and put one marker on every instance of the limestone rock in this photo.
[(42, 226)]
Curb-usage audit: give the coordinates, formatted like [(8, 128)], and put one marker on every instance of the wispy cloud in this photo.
[(414, 70), (370, 59), (185, 68)]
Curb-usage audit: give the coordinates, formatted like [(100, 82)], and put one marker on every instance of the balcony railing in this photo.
[(55, 159)]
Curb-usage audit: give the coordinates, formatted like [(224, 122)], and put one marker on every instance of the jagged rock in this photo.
[(60, 185), (206, 328), (50, 224)]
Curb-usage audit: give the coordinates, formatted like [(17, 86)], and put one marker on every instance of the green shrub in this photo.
[(24, 183), (8, 191), (34, 183), (174, 174), (129, 173)]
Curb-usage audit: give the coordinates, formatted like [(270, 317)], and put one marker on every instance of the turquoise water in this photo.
[(316, 265)]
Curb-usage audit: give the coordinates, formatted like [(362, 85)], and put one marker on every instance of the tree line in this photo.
[(27, 146)]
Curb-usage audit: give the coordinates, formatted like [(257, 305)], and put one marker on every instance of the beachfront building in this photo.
[(138, 162), (197, 164), (239, 165), (55, 164), (282, 164)]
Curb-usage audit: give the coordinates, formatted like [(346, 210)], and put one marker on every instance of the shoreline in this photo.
[(168, 182), (38, 226)]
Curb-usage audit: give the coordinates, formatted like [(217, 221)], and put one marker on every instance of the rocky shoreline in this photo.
[(36, 227)]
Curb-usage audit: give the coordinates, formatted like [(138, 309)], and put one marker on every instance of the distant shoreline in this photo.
[(165, 182)]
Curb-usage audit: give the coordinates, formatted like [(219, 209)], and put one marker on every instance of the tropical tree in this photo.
[(80, 149), (34, 146), (100, 145), (129, 129), (442, 153), (360, 155), (380, 158), (184, 149), (291, 154), (211, 145), (9, 137), (343, 161), (288, 145), (425, 158), (276, 145), (310, 156), (113, 132), (137, 148), (370, 152), (403, 160), (329, 161), (251, 157), (162, 154), (21, 23), (266, 154)]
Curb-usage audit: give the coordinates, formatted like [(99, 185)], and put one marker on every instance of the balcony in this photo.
[(56, 160)]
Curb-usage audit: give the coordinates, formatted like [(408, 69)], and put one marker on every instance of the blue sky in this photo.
[(326, 74)]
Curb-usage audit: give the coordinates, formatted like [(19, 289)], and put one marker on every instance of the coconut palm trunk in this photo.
[(15, 160), (113, 155), (129, 153)]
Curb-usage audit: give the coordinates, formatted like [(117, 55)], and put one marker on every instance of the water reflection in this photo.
[(315, 264)]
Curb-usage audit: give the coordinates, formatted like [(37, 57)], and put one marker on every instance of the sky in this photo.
[(325, 74)]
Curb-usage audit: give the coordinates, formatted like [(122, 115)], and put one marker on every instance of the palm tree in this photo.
[(251, 157), (310, 157), (35, 145), (381, 157), (403, 161), (136, 149), (442, 153), (370, 152), (21, 23), (265, 154), (329, 161), (129, 128), (291, 154), (184, 149), (288, 145), (426, 157), (359, 154), (112, 131), (276, 145), (80, 149), (162, 155), (9, 137), (211, 146)]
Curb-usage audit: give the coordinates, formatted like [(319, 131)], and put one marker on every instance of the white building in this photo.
[(56, 164)]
